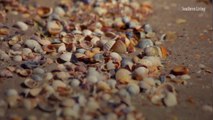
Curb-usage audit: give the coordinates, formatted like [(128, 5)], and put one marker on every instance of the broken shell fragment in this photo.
[(108, 45), (31, 83)]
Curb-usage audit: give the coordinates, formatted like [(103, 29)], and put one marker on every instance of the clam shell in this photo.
[(59, 11), (123, 76), (4, 31), (58, 84), (140, 73), (150, 61), (68, 102), (31, 83), (108, 45), (180, 70), (119, 47), (145, 43), (66, 56), (133, 89), (23, 26), (29, 104), (34, 45), (54, 27), (101, 85), (170, 99), (115, 56), (12, 97), (44, 11), (151, 51)]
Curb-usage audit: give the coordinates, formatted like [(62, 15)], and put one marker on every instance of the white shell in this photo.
[(17, 58), (75, 82), (115, 56), (23, 26), (140, 73), (92, 79), (34, 45), (170, 99), (59, 11), (66, 56), (133, 89), (149, 61), (57, 83)]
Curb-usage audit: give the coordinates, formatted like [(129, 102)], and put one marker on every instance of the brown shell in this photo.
[(44, 11), (119, 47)]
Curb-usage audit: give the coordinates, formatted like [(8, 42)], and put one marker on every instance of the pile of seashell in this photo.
[(85, 60)]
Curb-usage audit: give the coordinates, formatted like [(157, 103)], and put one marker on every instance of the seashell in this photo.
[(66, 56), (17, 58), (62, 48), (87, 32), (46, 107), (44, 11), (4, 55), (110, 65), (127, 63), (95, 50), (163, 52), (6, 73), (145, 43), (170, 99), (151, 51), (108, 45), (21, 25), (145, 86), (98, 57), (35, 91), (180, 70), (58, 84), (75, 83), (101, 85), (16, 47), (44, 42), (34, 45), (147, 28), (12, 97), (31, 83), (92, 79), (59, 11), (48, 76), (149, 81), (4, 31), (123, 76), (92, 105), (23, 73), (70, 113), (54, 27), (29, 104), (68, 103), (62, 75), (185, 77), (111, 116), (119, 47), (150, 61), (133, 89), (140, 73), (26, 51), (115, 56), (95, 40)]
